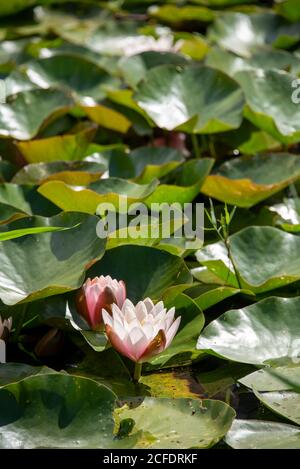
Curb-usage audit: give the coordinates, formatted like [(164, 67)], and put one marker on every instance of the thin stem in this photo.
[(196, 145), (137, 372), (227, 244)]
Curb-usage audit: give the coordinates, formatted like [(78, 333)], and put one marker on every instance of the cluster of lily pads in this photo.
[(166, 101)]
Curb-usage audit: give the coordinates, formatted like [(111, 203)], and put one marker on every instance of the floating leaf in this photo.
[(70, 147), (258, 434), (253, 255), (56, 411), (191, 99), (244, 34), (46, 105), (112, 191), (157, 270), (245, 181), (265, 332), (67, 255), (183, 423), (83, 78), (75, 173), (279, 117)]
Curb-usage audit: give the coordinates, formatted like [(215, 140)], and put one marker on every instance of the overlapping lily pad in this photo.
[(46, 105), (244, 34), (252, 252), (245, 181), (157, 270), (192, 99), (183, 423), (258, 434), (67, 254), (110, 191), (56, 411), (264, 333)]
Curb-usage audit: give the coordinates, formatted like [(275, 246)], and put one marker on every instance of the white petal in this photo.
[(172, 331), (141, 311), (148, 304), (170, 317), (148, 330), (107, 319), (135, 335), (158, 308)]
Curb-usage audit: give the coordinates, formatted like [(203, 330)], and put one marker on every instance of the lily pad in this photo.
[(253, 255), (284, 403), (46, 105), (288, 214), (157, 270), (70, 147), (36, 414), (183, 423), (247, 180), (112, 191), (244, 34), (282, 378), (75, 173), (177, 15), (264, 333), (258, 434), (83, 78), (278, 116), (67, 255), (186, 183), (191, 99), (135, 68), (14, 372)]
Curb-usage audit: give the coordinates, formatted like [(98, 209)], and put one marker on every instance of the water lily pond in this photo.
[(118, 329)]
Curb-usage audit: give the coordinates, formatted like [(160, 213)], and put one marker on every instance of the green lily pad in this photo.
[(135, 68), (231, 64), (258, 434), (247, 180), (74, 173), (157, 270), (14, 372), (56, 411), (265, 332), (70, 147), (253, 254), (67, 255), (284, 403), (112, 191), (288, 214), (206, 296), (290, 9), (144, 163), (185, 185), (78, 74), (176, 15), (282, 378), (108, 118), (279, 117), (183, 423), (17, 201), (244, 34), (46, 105), (191, 99)]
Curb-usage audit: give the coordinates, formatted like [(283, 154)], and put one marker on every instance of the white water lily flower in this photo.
[(142, 331), (5, 324)]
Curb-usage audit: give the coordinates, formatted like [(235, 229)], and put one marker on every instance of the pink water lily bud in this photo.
[(142, 331), (5, 327), (96, 294)]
